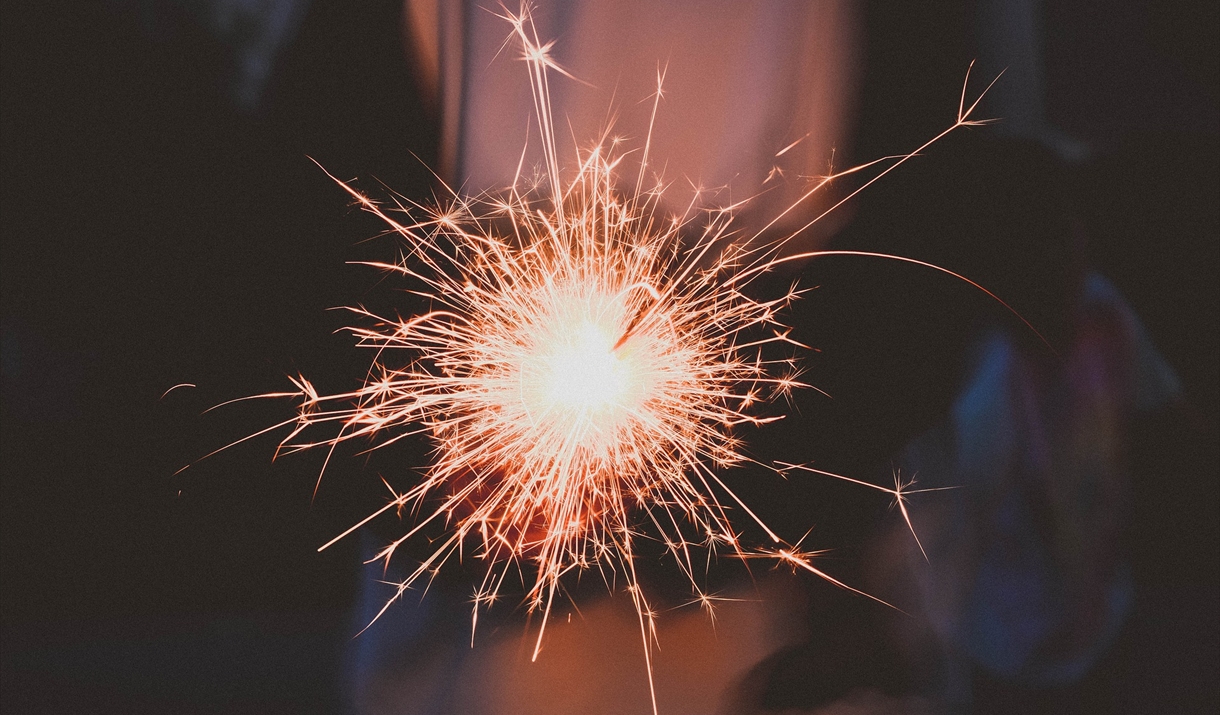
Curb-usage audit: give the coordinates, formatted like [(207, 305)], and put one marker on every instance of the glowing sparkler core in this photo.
[(584, 374), (573, 374)]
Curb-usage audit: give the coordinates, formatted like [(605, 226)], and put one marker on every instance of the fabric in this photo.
[(1024, 574), (785, 71)]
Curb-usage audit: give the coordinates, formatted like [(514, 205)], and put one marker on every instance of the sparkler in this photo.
[(582, 370)]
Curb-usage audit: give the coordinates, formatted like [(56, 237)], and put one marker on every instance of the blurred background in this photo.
[(162, 223)]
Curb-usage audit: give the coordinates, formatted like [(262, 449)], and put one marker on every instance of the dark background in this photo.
[(157, 231)]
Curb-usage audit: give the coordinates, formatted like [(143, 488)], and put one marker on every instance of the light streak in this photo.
[(582, 371), (175, 387)]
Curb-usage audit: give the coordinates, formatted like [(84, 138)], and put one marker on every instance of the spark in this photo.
[(583, 370), (791, 146), (900, 492), (176, 387), (707, 603)]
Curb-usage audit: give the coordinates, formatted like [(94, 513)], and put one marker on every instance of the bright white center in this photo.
[(573, 384), (584, 372)]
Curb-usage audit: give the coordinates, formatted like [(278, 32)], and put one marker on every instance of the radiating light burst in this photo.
[(578, 371), (583, 369)]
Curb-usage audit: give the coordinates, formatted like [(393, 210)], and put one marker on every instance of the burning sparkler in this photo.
[(582, 370)]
